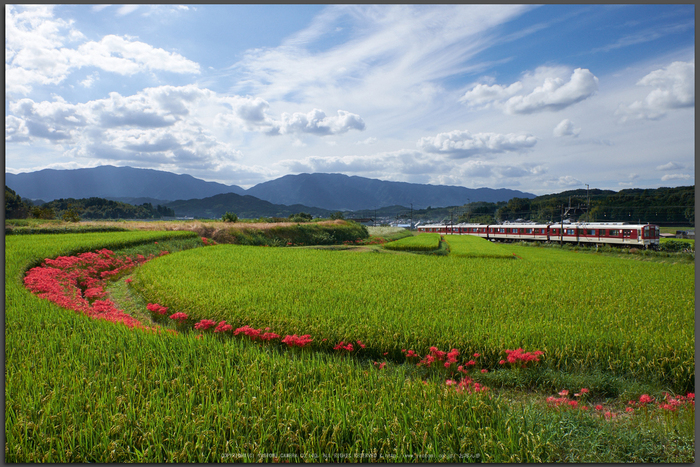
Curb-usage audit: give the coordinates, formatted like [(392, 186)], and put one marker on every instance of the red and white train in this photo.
[(601, 233)]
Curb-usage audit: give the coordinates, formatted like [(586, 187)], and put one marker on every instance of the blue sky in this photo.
[(535, 98)]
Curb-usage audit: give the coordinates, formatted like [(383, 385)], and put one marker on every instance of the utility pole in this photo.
[(411, 226), (561, 232), (588, 204)]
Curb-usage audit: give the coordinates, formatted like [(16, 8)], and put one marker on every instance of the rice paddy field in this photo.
[(492, 353)]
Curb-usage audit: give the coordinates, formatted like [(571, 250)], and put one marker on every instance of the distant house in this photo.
[(685, 234)]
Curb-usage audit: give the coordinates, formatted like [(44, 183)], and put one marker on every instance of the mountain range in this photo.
[(332, 192)]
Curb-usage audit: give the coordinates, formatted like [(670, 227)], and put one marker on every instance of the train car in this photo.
[(600, 233)]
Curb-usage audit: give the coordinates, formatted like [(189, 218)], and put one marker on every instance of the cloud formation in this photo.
[(38, 51), (674, 88), (566, 128), (459, 144), (554, 94)]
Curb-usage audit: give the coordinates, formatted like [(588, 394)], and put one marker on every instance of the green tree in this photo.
[(15, 208), (229, 217), (337, 215)]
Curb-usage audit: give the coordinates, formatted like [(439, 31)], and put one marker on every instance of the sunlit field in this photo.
[(546, 356)]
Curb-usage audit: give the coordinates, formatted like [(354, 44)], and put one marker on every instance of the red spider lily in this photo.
[(584, 391), (564, 392), (157, 309), (223, 327), (205, 324), (467, 385), (380, 365), (610, 415), (343, 346), (179, 317), (248, 331), (484, 370), (297, 341), (645, 399), (60, 280), (599, 407), (362, 346), (268, 336), (629, 410), (128, 280), (519, 355)]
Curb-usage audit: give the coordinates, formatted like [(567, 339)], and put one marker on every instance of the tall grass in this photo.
[(421, 242), (84, 390), (476, 247), (578, 309)]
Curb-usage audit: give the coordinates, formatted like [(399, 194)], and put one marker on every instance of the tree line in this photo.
[(657, 206), (75, 209)]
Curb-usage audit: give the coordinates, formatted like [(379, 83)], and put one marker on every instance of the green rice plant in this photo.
[(81, 390), (421, 242), (577, 308), (476, 247)]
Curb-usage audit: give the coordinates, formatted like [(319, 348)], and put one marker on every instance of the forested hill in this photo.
[(86, 208), (659, 206)]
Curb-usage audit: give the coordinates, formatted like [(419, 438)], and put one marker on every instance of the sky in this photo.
[(540, 99)]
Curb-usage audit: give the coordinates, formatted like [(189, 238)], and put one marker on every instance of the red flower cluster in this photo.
[(179, 317), (77, 283), (223, 327), (157, 310), (297, 341), (437, 355), (520, 356), (467, 385), (349, 346), (205, 324), (343, 346)]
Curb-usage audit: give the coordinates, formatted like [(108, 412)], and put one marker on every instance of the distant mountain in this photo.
[(246, 207), (114, 183), (339, 192), (332, 192)]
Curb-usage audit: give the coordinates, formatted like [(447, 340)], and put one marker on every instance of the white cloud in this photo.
[(460, 144), (484, 95), (669, 166), (568, 181), (37, 51), (251, 114), (370, 140), (524, 97), (16, 130), (316, 122), (674, 88), (566, 128), (126, 9), (668, 177), (90, 80), (126, 57), (402, 162)]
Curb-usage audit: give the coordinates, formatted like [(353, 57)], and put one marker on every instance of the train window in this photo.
[(528, 231), (569, 231), (627, 233), (614, 233), (590, 232)]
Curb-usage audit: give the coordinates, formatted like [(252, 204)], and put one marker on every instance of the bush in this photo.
[(229, 217), (299, 234)]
